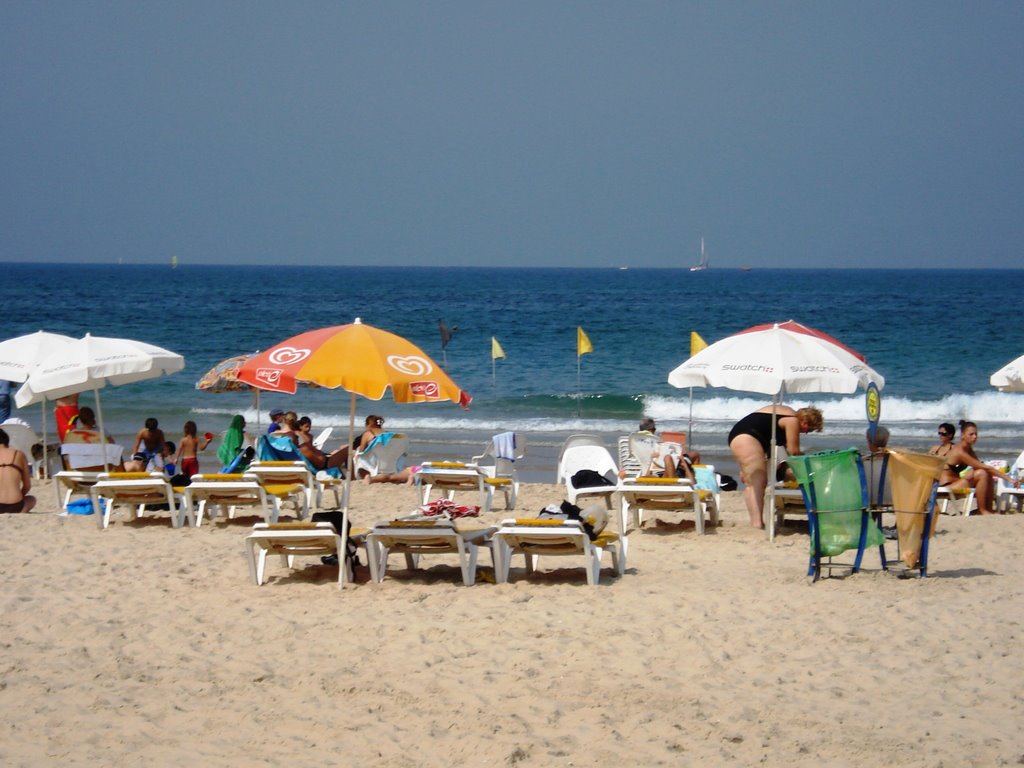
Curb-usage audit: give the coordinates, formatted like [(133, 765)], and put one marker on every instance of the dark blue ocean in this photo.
[(936, 336)]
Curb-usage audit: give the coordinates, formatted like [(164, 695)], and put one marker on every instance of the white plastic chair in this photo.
[(578, 454), (498, 473), (381, 458), (1006, 494)]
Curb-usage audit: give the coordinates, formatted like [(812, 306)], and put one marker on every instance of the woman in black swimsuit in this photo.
[(750, 442), (981, 478), (946, 434), (15, 479)]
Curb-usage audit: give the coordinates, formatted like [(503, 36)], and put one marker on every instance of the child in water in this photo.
[(188, 450)]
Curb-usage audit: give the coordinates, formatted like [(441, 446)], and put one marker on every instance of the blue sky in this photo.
[(871, 134)]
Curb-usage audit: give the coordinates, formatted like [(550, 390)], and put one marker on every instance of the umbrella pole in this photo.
[(46, 455), (689, 423), (349, 464), (103, 432), (579, 390)]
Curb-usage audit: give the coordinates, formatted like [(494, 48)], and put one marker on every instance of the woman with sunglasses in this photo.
[(981, 477), (946, 434)]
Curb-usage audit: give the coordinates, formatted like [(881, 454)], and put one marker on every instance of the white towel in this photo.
[(505, 446)]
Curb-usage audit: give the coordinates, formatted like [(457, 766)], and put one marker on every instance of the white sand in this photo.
[(143, 645)]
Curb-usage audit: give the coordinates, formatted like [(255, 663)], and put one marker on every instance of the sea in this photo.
[(935, 335)]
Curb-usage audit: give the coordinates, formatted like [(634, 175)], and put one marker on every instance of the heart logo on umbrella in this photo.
[(412, 365), (287, 356)]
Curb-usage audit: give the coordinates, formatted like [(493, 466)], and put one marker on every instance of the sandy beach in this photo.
[(145, 645)]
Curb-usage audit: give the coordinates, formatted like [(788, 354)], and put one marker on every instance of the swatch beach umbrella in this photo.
[(1009, 378), (21, 355), (774, 359), (94, 362), (362, 360)]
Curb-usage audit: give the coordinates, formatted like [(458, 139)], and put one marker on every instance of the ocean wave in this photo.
[(992, 409)]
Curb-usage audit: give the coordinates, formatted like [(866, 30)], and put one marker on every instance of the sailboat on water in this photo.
[(703, 259)]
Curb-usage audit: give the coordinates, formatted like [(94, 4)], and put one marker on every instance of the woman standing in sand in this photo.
[(750, 442), (980, 478), (15, 479)]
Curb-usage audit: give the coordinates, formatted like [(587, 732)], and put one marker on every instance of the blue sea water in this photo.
[(936, 336)]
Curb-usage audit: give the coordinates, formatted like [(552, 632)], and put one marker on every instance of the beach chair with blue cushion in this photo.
[(835, 493)]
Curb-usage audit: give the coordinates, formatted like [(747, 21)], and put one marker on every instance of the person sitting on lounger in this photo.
[(980, 476), (303, 438), (666, 459)]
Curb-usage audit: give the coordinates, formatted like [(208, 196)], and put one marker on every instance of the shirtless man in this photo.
[(150, 440), (15, 479)]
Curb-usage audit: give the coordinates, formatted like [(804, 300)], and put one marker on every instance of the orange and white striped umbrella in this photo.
[(358, 358)]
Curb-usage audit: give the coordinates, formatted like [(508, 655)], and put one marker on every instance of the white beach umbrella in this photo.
[(1009, 378), (774, 359), (21, 355), (93, 362)]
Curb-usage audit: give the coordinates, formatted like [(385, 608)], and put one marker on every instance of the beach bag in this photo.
[(593, 517), (589, 478), (335, 518)]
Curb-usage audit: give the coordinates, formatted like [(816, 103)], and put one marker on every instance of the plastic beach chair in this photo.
[(414, 538), (558, 538)]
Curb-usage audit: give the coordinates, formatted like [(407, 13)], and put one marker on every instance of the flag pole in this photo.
[(579, 389)]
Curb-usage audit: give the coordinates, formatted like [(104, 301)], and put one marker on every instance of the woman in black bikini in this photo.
[(750, 442), (946, 434), (15, 479), (962, 457)]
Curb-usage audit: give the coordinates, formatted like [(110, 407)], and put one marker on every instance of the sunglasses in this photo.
[(944, 434)]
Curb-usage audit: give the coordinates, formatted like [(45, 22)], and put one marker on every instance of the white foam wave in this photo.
[(991, 409), (999, 415)]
